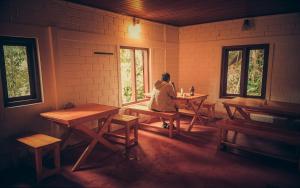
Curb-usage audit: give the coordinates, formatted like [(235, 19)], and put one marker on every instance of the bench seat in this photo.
[(143, 109), (206, 105), (260, 130)]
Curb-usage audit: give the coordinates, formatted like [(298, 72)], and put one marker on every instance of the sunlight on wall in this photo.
[(134, 30)]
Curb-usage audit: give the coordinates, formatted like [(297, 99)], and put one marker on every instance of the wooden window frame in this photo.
[(33, 71), (244, 70), (145, 73)]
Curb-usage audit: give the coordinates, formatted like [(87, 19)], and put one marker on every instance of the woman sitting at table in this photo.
[(162, 96)]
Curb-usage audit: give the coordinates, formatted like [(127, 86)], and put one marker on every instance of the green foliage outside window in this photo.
[(17, 75), (139, 74), (255, 72), (132, 80), (126, 82), (244, 74), (234, 72)]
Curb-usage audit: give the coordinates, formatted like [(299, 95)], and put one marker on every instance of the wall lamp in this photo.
[(134, 29)]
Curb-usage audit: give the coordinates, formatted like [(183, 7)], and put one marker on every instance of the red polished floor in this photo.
[(190, 160)]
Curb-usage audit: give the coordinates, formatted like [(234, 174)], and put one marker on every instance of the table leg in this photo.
[(220, 138), (196, 116), (178, 124), (230, 115), (171, 128), (243, 113), (66, 135), (85, 154), (97, 137)]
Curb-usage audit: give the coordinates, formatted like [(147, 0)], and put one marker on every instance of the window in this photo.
[(134, 74), (244, 71), (19, 71)]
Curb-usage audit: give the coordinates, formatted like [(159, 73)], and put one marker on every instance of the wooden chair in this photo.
[(39, 142), (129, 123)]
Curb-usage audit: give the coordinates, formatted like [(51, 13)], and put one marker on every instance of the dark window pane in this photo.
[(234, 71), (127, 75), (139, 74), (255, 72), (17, 75)]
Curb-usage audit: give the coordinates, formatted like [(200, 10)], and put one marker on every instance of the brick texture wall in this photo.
[(68, 35), (200, 48)]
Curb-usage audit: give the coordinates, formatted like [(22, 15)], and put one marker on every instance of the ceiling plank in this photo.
[(190, 12)]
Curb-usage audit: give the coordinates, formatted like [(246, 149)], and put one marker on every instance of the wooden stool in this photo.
[(38, 142), (210, 109), (129, 122)]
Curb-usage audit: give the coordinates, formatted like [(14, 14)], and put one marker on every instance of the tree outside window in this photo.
[(19, 71), (244, 71), (134, 74)]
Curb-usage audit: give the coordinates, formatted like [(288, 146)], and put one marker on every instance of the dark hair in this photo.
[(165, 77)]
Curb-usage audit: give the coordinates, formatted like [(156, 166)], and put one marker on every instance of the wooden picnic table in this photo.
[(245, 125), (194, 102), (246, 105), (74, 118)]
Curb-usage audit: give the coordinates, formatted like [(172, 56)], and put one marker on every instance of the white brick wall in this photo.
[(75, 74), (81, 75), (200, 48)]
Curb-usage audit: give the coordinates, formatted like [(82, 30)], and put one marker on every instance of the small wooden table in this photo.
[(75, 117), (245, 105), (195, 102)]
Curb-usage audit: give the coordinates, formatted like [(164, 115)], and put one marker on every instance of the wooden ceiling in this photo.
[(189, 12)]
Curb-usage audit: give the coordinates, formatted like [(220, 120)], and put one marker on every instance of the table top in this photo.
[(264, 106), (80, 114), (185, 96)]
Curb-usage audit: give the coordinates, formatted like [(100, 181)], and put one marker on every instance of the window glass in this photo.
[(140, 87), (244, 71), (255, 72), (126, 57), (134, 76), (17, 74), (234, 71), (19, 71)]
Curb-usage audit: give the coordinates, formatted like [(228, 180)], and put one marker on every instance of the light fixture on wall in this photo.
[(248, 24), (134, 29)]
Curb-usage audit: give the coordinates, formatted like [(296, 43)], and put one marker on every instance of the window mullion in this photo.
[(226, 71), (244, 74), (134, 72)]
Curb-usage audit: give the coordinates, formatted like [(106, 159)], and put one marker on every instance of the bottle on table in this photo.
[(181, 92), (192, 91)]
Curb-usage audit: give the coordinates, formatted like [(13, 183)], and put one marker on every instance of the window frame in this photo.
[(146, 82), (33, 71), (244, 70)]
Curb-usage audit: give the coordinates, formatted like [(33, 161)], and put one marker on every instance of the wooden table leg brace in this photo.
[(97, 137), (196, 109), (231, 115)]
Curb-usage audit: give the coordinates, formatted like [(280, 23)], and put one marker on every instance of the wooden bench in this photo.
[(260, 130), (129, 123), (170, 116), (39, 142), (210, 106), (207, 105)]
